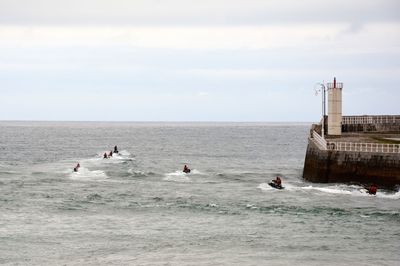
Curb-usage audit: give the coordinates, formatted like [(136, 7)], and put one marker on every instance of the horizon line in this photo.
[(155, 121)]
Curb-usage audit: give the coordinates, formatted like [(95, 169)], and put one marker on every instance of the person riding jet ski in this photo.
[(372, 189), (186, 169), (276, 183), (77, 167)]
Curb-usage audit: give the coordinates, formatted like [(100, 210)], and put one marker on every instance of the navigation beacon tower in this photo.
[(335, 107)]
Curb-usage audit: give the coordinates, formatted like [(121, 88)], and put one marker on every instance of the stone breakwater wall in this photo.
[(371, 123), (371, 128), (331, 166)]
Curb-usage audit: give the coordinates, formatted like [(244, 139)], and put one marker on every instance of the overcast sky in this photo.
[(208, 60)]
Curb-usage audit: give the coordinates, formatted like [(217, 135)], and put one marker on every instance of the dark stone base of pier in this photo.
[(365, 168)]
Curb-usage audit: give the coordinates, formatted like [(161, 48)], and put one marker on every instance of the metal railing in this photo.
[(332, 85), (370, 119), (321, 142), (363, 147), (354, 146)]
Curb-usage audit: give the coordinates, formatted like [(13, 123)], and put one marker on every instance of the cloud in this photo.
[(194, 60), (353, 28), (189, 13), (202, 94), (303, 36)]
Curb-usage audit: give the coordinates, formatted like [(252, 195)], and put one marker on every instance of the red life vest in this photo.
[(372, 190)]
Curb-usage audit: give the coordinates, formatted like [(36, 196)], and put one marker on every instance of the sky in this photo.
[(208, 60)]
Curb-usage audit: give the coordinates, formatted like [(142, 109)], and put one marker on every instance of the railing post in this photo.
[(356, 146)]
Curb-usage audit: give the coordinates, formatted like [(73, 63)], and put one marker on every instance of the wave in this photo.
[(196, 172), (265, 187), (180, 173), (97, 163), (177, 176), (342, 189), (138, 173), (8, 172), (93, 197), (85, 174), (122, 156), (395, 195), (323, 210), (353, 190), (251, 206), (124, 153)]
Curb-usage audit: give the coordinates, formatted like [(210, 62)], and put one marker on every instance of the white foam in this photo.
[(124, 153), (114, 159), (332, 190), (395, 196), (177, 173), (265, 187), (196, 172), (177, 176), (290, 187), (353, 191), (136, 172), (85, 174)]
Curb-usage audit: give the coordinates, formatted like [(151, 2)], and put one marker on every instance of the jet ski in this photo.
[(274, 185), (186, 169)]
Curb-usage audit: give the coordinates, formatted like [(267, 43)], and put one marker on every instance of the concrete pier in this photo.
[(360, 164), (366, 152), (354, 149)]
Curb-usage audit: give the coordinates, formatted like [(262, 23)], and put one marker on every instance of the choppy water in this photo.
[(137, 208)]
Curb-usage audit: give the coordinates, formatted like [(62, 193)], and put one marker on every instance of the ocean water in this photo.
[(138, 208)]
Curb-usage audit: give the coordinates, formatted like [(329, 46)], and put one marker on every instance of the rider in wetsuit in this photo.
[(372, 189), (278, 181), (77, 167), (186, 169)]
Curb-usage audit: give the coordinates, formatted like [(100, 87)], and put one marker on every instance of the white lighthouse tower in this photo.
[(335, 107)]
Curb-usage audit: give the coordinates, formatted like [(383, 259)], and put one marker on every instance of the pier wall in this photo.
[(371, 123), (331, 166)]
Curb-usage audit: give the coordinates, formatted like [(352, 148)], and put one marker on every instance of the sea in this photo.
[(139, 208)]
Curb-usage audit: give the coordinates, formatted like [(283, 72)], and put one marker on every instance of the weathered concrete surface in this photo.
[(371, 128), (325, 166), (371, 123), (365, 137)]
